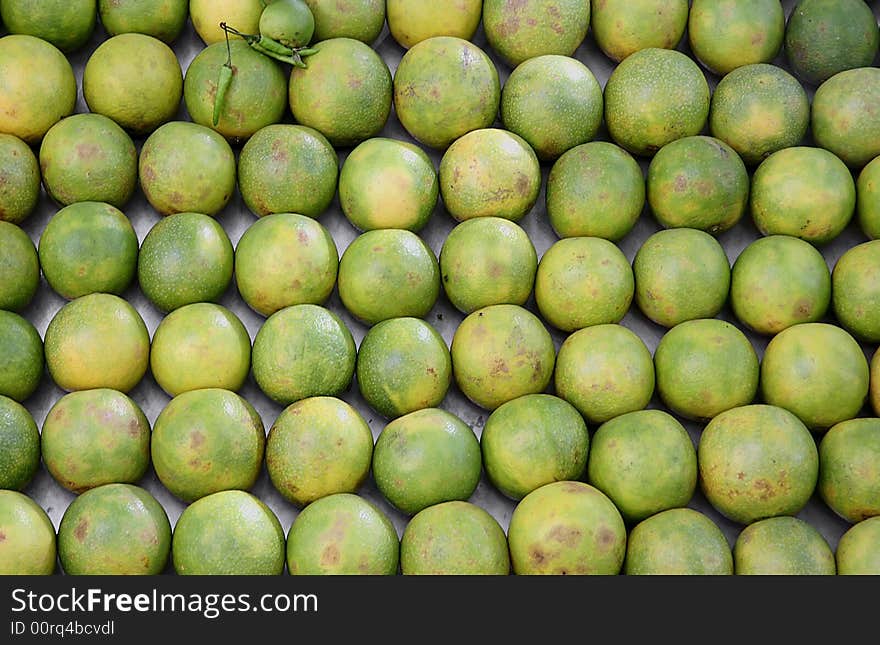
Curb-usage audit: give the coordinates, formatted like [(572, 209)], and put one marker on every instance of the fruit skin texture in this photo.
[(95, 437), (424, 458), (19, 180), (19, 267), (39, 87), (19, 445), (874, 394), (290, 22), (501, 352), (67, 24), (115, 529), (412, 21), (342, 534), (782, 546), (566, 527), (228, 533), (30, 546), (317, 447), (622, 27), (868, 199), (533, 440), (162, 19), (849, 469), (817, 371), (443, 88), (653, 97), (841, 117), (23, 359), (359, 19), (757, 461), (206, 16), (855, 290), (857, 552), (454, 538)]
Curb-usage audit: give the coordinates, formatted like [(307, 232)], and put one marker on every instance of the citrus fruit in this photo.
[(857, 552), (30, 544), (19, 180), (849, 469), (359, 19), (97, 340), (817, 371), (302, 351), (489, 172), (412, 21), (228, 533), (868, 200), (115, 529), (206, 441), (454, 538), (855, 290), (621, 28), (342, 534), (757, 461), (184, 259), (200, 345), (533, 440), (135, 80), (388, 273), (19, 268), (88, 247), (318, 446), (564, 92), (874, 393), (424, 458), (403, 365), (243, 15), (23, 356), (39, 87), (289, 22), (445, 87), (501, 352), (583, 281), (67, 24), (604, 371), (387, 183), (782, 546), (841, 119), (566, 527), (162, 19), (95, 437), (286, 168), (19, 445)]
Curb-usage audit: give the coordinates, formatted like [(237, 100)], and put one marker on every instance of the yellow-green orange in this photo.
[(868, 199), (412, 21), (162, 19), (782, 546), (19, 180), (67, 24), (843, 116), (855, 289), (243, 15), (19, 267), (874, 393), (623, 27), (359, 19), (30, 544), (23, 359), (849, 469), (289, 22), (19, 445), (857, 550)]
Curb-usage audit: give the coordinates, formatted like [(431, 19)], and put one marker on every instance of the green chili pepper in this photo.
[(224, 80), (272, 45)]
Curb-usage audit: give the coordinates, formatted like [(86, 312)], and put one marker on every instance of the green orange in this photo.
[(782, 546), (412, 21), (849, 469), (23, 358), (840, 115), (19, 445), (621, 27), (19, 180), (857, 552), (30, 547), (67, 24), (359, 19), (868, 199), (206, 16), (162, 19), (19, 267), (855, 290)]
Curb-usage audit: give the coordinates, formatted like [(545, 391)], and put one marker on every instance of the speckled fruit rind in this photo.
[(566, 527), (23, 359), (487, 261), (342, 534), (412, 21), (424, 458), (677, 542), (95, 437), (285, 259), (445, 87), (228, 533), (622, 27), (162, 19), (359, 19), (387, 183), (30, 544), (67, 24), (184, 259), (19, 267), (604, 371), (517, 31), (849, 469), (779, 281), (824, 37), (868, 199), (198, 346), (286, 168), (186, 167), (595, 189), (758, 109), (855, 291), (653, 97), (728, 34), (98, 340), (88, 247), (302, 351), (88, 158), (805, 192), (533, 440), (842, 118), (501, 352), (858, 550), (256, 97), (19, 180), (583, 281), (704, 367), (115, 529), (19, 445), (403, 365), (817, 371), (874, 394), (206, 441), (757, 461), (454, 538), (206, 16), (388, 273), (680, 274), (782, 546), (645, 462), (564, 92), (316, 447), (489, 172), (698, 182)]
